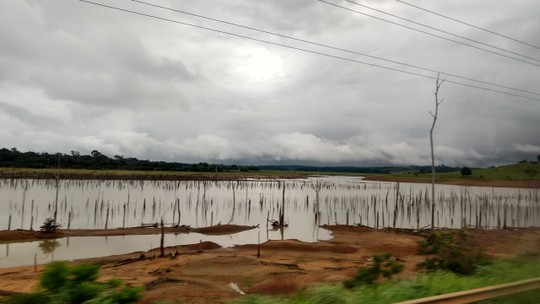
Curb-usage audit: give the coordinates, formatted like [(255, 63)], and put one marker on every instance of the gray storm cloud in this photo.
[(81, 77)]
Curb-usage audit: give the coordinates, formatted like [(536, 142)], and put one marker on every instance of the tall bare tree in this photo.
[(438, 84)]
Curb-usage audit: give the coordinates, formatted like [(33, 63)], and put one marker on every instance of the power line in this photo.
[(309, 51), (330, 47), (441, 31), (305, 50), (428, 33), (468, 24)]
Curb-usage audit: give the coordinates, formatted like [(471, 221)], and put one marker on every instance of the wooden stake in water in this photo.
[(32, 217), (56, 199), (282, 211), (396, 206), (124, 218), (259, 245), (174, 212), (107, 218), (162, 241), (22, 210), (95, 213)]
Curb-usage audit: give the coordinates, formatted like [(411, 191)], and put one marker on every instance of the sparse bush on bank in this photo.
[(451, 251), (49, 226), (383, 265)]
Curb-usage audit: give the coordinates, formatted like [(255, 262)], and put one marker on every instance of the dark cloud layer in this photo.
[(81, 77)]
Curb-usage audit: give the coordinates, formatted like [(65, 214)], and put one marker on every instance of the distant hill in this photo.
[(368, 170), (519, 171)]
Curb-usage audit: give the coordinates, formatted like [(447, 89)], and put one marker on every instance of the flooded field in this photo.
[(305, 204)]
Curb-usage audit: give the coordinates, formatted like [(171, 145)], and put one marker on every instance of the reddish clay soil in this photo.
[(201, 273)]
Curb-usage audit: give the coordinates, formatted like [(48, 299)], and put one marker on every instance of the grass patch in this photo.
[(523, 171), (503, 176), (517, 172)]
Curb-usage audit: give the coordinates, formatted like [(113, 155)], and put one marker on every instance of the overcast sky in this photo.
[(76, 76)]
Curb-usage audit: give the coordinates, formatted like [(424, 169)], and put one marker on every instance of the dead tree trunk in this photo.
[(282, 211), (162, 241), (56, 197), (438, 84)]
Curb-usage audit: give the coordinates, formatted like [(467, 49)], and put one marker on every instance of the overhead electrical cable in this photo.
[(469, 24), (441, 31), (330, 47), (428, 33), (304, 50)]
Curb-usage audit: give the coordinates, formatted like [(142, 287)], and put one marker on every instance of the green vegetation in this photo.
[(515, 172), (454, 264), (428, 284), (383, 265), (141, 174), (76, 165), (466, 171), (12, 158), (64, 284), (96, 160), (49, 226), (451, 251), (519, 171)]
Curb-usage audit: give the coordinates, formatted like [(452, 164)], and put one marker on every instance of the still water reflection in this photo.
[(305, 204), (20, 254)]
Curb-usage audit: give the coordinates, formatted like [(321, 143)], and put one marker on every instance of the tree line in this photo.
[(12, 158)]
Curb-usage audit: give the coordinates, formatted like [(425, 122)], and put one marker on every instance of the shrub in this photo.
[(64, 284), (450, 251), (466, 171), (383, 265), (49, 226)]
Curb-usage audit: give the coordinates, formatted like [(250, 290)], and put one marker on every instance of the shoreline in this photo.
[(235, 176), (150, 175), (469, 182), (16, 236)]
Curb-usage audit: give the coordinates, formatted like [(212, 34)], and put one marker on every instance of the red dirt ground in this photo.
[(201, 273)]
